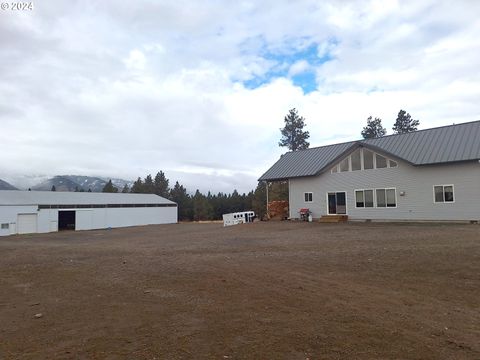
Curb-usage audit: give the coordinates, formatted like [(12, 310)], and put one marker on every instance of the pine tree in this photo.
[(374, 129), (405, 123), (161, 187), (202, 209), (278, 191), (293, 135), (54, 188), (148, 186), (259, 201), (125, 189), (109, 188), (179, 195), (137, 187)]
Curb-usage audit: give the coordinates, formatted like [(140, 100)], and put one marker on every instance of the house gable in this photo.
[(363, 158)]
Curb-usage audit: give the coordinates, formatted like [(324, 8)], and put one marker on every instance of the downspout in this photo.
[(289, 202), (268, 215)]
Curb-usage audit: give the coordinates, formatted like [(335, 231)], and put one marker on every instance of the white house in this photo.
[(431, 174), (23, 212)]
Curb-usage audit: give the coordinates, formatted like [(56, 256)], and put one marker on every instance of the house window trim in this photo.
[(304, 197), (385, 207), (443, 186), (373, 196)]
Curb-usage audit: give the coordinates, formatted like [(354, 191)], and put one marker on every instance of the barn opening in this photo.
[(66, 220)]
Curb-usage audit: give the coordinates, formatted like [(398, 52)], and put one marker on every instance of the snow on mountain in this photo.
[(6, 186), (79, 183)]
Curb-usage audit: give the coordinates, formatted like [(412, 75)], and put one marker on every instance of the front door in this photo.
[(337, 203)]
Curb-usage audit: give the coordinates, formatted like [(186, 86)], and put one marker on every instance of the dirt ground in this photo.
[(277, 290)]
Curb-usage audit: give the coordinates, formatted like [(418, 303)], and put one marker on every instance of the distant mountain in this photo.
[(78, 183), (6, 186)]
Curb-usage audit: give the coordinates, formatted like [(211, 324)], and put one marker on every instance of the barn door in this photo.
[(27, 223)]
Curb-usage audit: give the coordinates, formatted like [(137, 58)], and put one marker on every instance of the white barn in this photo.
[(23, 212)]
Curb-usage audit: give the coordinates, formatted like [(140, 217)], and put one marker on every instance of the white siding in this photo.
[(9, 215), (416, 182), (86, 219), (83, 219)]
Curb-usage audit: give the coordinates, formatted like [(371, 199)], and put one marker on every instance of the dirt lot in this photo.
[(274, 290)]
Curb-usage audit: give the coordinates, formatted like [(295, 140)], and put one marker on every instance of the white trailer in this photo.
[(238, 218)]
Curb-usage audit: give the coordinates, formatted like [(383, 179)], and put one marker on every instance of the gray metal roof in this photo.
[(305, 162), (445, 144), (16, 197)]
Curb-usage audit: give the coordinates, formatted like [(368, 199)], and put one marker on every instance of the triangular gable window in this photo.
[(363, 159)]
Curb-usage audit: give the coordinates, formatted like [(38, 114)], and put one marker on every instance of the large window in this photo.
[(443, 193), (344, 165), (386, 198), (363, 159), (356, 160), (364, 198), (367, 159), (308, 196), (4, 226), (381, 161)]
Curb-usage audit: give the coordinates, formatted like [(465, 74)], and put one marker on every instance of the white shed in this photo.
[(23, 212)]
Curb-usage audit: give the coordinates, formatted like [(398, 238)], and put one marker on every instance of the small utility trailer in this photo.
[(238, 218)]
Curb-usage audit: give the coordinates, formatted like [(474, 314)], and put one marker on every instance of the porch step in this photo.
[(333, 218)]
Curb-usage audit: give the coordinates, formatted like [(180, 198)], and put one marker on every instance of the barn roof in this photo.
[(444, 144), (15, 197)]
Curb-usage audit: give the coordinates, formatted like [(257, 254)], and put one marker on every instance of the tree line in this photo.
[(198, 206)]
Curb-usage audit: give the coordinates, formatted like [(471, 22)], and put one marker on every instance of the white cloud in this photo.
[(127, 89), (136, 60), (298, 67)]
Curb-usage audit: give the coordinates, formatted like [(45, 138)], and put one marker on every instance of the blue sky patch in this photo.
[(283, 60)]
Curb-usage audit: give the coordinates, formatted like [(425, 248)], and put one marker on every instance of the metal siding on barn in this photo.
[(27, 223), (93, 211), (83, 219)]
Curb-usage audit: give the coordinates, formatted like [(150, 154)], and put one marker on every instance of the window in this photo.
[(344, 165), (364, 198), (356, 163), (386, 198), (5, 226), (363, 159), (367, 159), (308, 197), (391, 198), (368, 198), (443, 193), (359, 199), (380, 161)]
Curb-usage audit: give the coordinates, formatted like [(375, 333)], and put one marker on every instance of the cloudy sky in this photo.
[(199, 89)]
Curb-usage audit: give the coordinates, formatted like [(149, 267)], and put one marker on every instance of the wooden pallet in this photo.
[(333, 218)]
